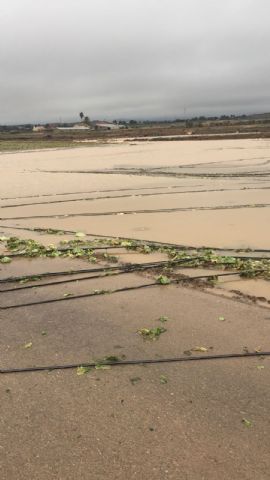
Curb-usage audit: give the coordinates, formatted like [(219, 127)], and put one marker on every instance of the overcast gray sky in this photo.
[(132, 58)]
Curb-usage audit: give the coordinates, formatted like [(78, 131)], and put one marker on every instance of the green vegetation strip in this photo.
[(109, 239), (82, 248)]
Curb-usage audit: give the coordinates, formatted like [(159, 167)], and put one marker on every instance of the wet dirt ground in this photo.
[(203, 419)]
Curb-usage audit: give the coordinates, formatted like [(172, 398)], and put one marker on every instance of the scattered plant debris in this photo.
[(28, 279), (112, 358), (163, 379), (5, 259), (102, 292), (163, 280), (110, 258), (81, 247), (246, 422), (152, 333), (200, 349), (83, 370)]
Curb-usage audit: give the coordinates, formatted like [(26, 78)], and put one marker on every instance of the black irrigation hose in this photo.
[(153, 173), (119, 290), (54, 274), (84, 295), (107, 197), (94, 191), (118, 271), (71, 280), (140, 212), (223, 356), (133, 269), (153, 194), (127, 267), (140, 241)]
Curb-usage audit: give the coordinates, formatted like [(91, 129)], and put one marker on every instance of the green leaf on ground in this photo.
[(151, 333), (80, 234), (163, 280), (163, 379), (221, 319), (246, 422), (28, 345), (126, 243), (83, 370), (111, 358), (5, 260)]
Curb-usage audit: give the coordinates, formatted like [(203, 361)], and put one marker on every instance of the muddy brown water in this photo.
[(131, 195)]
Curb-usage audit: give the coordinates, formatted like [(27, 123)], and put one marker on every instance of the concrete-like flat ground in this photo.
[(205, 419), (123, 422)]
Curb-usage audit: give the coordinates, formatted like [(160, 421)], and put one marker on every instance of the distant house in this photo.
[(75, 127), (39, 128), (108, 126)]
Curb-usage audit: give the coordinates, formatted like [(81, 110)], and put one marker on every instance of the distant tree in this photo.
[(81, 115), (87, 120)]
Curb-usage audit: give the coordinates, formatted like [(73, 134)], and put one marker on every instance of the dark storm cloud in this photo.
[(132, 58)]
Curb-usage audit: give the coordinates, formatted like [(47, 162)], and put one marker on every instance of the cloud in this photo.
[(132, 59)]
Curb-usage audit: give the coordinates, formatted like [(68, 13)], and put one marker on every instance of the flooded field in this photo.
[(211, 194), (143, 259), (206, 193)]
